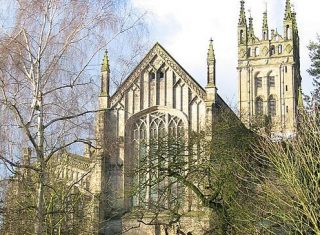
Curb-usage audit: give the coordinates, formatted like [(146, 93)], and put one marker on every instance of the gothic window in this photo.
[(258, 82), (272, 50), (271, 81), (259, 106), (272, 106), (280, 49), (257, 51), (241, 36), (151, 155), (264, 36)]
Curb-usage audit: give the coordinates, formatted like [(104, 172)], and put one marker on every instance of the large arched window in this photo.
[(259, 106), (153, 135), (272, 106)]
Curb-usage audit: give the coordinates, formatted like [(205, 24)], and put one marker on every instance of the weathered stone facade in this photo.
[(159, 95), (269, 73)]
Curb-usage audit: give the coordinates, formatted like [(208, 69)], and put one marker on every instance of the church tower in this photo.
[(269, 74)]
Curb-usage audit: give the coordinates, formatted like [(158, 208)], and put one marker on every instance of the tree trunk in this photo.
[(40, 209), (39, 223)]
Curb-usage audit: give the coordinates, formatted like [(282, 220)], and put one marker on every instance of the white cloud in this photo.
[(184, 28)]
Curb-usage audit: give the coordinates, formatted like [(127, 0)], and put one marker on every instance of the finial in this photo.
[(105, 62), (251, 30), (211, 56)]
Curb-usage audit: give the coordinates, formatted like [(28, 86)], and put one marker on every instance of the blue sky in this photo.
[(184, 28)]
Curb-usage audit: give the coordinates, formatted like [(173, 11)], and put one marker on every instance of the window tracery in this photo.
[(147, 133)]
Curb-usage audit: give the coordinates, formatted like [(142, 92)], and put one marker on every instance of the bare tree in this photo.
[(46, 88), (287, 182)]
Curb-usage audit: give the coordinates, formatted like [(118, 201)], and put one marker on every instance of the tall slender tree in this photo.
[(46, 87)]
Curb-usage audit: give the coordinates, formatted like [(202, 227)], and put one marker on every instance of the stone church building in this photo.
[(160, 96)]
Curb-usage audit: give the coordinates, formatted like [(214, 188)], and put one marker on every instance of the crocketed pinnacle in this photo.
[(105, 62), (265, 20), (251, 30), (288, 11), (242, 17), (211, 56)]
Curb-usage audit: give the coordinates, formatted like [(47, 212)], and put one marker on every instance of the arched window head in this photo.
[(272, 108), (259, 106)]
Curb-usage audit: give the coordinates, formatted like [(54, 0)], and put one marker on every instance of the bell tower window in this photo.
[(258, 82), (241, 37), (272, 106), (271, 81)]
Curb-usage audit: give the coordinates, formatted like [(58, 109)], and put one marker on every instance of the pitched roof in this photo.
[(158, 50)]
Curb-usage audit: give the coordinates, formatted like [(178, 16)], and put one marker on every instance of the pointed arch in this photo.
[(272, 106)]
